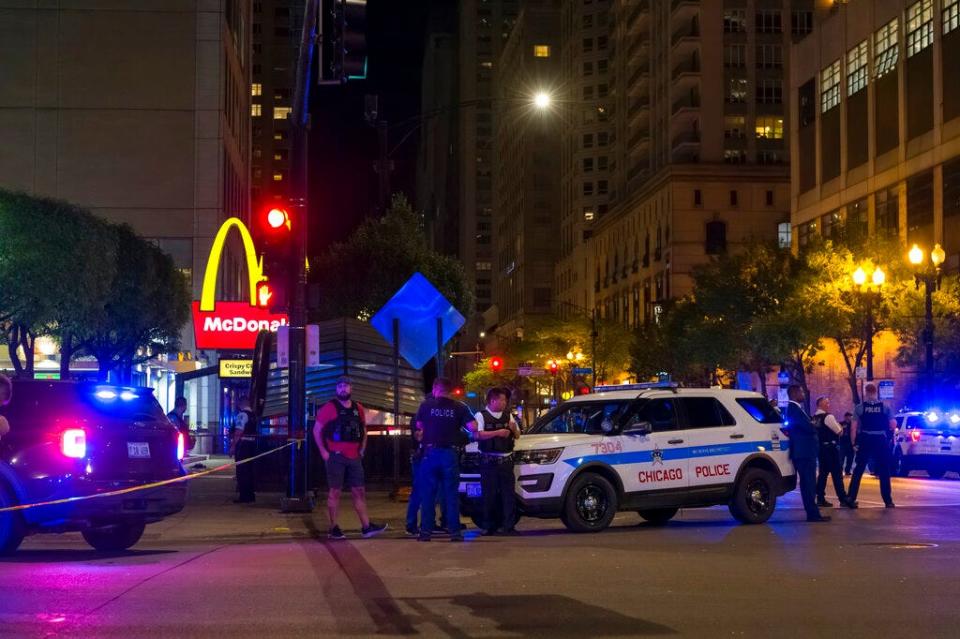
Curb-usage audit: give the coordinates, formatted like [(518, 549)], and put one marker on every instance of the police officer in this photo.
[(846, 444), (496, 431), (873, 423), (341, 435), (6, 394), (803, 451), (828, 434), (179, 419), (442, 421), (244, 446)]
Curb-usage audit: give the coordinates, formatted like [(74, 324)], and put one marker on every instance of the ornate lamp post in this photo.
[(928, 273), (869, 289)]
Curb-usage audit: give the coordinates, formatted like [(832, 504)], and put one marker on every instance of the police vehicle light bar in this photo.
[(641, 386)]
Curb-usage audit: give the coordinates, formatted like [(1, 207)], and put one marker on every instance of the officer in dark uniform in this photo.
[(442, 421), (829, 431), (872, 426), (804, 449), (244, 446), (496, 432)]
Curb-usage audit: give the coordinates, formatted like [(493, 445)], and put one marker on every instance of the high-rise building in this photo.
[(526, 176)]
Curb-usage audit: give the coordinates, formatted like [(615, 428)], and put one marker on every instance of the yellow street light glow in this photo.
[(208, 293), (569, 354), (542, 100), (916, 255), (879, 277), (859, 276), (938, 255)]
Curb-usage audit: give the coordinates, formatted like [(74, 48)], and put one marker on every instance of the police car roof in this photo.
[(634, 391)]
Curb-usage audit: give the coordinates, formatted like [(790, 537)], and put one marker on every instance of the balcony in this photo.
[(638, 15), (642, 72), (691, 101), (687, 67), (689, 33), (685, 138), (640, 41), (640, 104), (688, 4), (640, 137)]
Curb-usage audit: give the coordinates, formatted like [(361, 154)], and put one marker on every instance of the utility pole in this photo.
[(384, 165)]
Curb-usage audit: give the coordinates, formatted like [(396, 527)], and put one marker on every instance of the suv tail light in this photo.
[(180, 446), (73, 443), (915, 435)]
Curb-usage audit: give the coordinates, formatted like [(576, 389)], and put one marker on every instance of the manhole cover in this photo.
[(885, 544)]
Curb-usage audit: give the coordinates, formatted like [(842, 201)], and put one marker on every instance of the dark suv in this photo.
[(70, 439)]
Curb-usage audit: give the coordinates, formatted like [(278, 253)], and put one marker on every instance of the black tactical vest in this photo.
[(873, 418), (250, 428), (825, 435), (347, 427), (496, 444)]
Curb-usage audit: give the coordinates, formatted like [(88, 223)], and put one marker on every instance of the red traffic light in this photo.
[(264, 294), (553, 367), (496, 364), (278, 218)]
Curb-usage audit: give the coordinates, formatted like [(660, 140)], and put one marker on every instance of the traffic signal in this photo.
[(278, 251), (496, 364), (553, 368), (264, 294), (277, 219), (343, 50)]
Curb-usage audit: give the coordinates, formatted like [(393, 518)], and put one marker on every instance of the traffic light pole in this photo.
[(298, 499)]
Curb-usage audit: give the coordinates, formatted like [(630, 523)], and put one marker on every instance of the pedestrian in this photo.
[(803, 450), (6, 394), (340, 432), (243, 445), (178, 417), (496, 431), (846, 444), (873, 424), (828, 459), (413, 505), (442, 421)]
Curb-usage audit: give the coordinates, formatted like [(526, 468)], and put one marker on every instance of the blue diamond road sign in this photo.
[(417, 305)]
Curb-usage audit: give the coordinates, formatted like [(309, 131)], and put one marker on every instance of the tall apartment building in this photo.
[(277, 25), (526, 198), (876, 126), (699, 145)]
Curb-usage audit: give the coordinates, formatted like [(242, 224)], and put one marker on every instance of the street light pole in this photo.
[(930, 277), (870, 295)]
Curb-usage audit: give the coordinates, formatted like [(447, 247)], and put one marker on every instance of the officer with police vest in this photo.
[(496, 431), (828, 433), (873, 423), (243, 445), (341, 435)]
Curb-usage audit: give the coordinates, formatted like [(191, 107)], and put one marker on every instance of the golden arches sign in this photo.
[(208, 293)]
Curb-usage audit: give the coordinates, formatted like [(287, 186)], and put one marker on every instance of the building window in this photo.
[(588, 92), (857, 73), (888, 212), (734, 55), (919, 26), (602, 187), (484, 266), (256, 89), (951, 15), (601, 66), (805, 233), (769, 21), (278, 176), (769, 127), (256, 110), (736, 90), (603, 138), (602, 163), (588, 215), (831, 226), (602, 90), (784, 235), (588, 68), (769, 56), (734, 127), (733, 198), (697, 198), (769, 198), (601, 43), (588, 21), (885, 49), (587, 45), (734, 20), (801, 22), (588, 140), (830, 87), (767, 156), (856, 224), (541, 50), (769, 91), (587, 165), (734, 156), (281, 113), (588, 188), (716, 241)]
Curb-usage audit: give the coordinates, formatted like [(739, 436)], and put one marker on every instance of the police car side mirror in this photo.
[(639, 429)]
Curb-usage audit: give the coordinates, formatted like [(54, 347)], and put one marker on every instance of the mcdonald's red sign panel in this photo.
[(232, 325)]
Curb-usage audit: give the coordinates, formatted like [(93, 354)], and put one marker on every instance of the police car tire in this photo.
[(114, 537), (600, 487), (658, 516), (11, 523), (740, 506), (936, 473)]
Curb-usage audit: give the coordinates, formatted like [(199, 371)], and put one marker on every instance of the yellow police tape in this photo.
[(156, 484)]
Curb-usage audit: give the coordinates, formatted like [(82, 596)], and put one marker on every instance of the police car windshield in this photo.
[(592, 418)]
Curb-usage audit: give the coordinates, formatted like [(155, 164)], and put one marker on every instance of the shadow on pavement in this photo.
[(53, 555)]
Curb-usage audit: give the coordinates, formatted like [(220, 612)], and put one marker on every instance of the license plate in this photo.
[(138, 450), (473, 490)]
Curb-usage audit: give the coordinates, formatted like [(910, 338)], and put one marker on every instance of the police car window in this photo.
[(704, 412), (660, 412), (593, 418), (760, 409)]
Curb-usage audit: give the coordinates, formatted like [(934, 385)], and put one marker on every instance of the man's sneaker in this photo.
[(817, 520), (412, 531), (336, 533), (373, 530), (889, 504), (823, 503), (852, 505)]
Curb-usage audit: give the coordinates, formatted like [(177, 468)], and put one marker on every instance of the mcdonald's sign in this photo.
[(231, 325)]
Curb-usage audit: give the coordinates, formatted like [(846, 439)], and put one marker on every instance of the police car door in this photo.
[(652, 446), (715, 444)]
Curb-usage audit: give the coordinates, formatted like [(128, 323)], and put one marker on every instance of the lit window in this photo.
[(857, 68), (256, 110), (951, 15), (919, 26), (769, 128), (885, 49), (734, 20), (784, 235), (737, 90), (733, 126), (278, 177), (281, 113), (256, 89), (541, 50), (278, 135), (588, 215), (830, 87), (486, 65)]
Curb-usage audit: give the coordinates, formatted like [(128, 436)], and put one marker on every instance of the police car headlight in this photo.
[(542, 456)]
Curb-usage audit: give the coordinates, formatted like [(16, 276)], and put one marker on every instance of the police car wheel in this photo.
[(591, 504), (754, 497), (114, 537), (936, 473), (658, 516), (11, 524)]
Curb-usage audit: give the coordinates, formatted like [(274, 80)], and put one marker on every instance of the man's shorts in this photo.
[(343, 472)]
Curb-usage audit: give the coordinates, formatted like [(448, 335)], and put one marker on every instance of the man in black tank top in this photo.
[(496, 431)]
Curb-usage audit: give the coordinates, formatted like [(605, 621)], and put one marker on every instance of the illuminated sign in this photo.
[(231, 325), (236, 368)]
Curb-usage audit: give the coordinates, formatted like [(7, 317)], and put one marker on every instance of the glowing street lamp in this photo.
[(930, 277), (542, 100), (878, 278)]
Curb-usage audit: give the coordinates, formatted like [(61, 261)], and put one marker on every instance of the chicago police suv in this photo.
[(927, 441), (652, 448)]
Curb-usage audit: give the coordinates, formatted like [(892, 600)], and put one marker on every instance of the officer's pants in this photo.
[(875, 449), (829, 461), (439, 472), (245, 479), (846, 455), (499, 498), (416, 494), (807, 478)]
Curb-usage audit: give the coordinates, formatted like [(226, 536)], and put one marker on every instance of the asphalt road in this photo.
[(220, 570)]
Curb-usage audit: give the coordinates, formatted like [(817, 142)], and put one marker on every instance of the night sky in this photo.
[(342, 147)]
